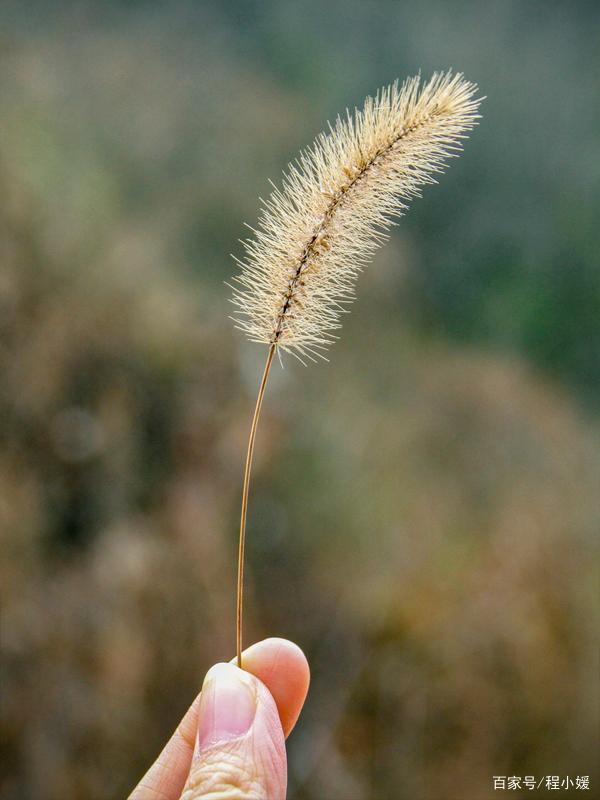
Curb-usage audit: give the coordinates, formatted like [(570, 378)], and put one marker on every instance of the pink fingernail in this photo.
[(227, 705)]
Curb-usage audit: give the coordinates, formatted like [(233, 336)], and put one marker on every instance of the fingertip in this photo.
[(283, 668)]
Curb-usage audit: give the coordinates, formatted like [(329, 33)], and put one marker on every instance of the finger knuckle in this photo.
[(223, 775)]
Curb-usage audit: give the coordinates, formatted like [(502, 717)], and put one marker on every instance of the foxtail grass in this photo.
[(319, 229)]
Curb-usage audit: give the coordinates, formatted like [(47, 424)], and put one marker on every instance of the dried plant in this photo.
[(319, 230)]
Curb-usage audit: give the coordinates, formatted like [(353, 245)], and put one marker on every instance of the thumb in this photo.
[(240, 750)]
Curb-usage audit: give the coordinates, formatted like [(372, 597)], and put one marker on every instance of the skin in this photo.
[(250, 765)]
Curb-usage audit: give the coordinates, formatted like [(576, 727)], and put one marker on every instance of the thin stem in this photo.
[(245, 490)]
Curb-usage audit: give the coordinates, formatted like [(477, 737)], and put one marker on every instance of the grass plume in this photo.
[(322, 226)]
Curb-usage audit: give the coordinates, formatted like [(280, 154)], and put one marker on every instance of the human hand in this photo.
[(230, 743)]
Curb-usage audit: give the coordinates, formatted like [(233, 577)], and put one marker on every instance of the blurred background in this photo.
[(425, 507)]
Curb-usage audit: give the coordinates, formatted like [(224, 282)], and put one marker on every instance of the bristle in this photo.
[(322, 226)]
